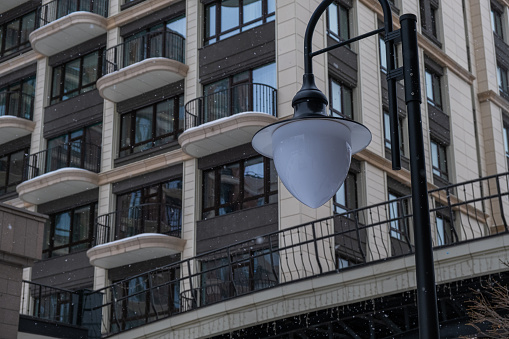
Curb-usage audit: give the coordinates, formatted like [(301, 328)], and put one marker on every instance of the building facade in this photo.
[(129, 124)]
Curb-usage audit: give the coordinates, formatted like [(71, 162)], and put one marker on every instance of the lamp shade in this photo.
[(312, 155)]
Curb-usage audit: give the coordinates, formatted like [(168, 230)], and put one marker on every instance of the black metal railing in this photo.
[(249, 97), (17, 104), (474, 210), (57, 9), (145, 218), (75, 154), (163, 43)]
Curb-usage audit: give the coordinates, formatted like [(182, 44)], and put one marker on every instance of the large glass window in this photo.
[(506, 142), (496, 22), (503, 80), (445, 232), (338, 25), (341, 102), (398, 216), (153, 209), (14, 34), (69, 231), (11, 170), (225, 18), (429, 17), (346, 197), (76, 77), (243, 184), (439, 159), (433, 88), (17, 99), (151, 126), (387, 132)]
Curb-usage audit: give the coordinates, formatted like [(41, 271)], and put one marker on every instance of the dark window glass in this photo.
[(151, 126), (346, 197), (14, 34), (152, 209), (11, 170), (17, 99), (338, 25), (439, 159), (75, 77), (503, 82), (69, 231), (341, 103), (496, 23), (433, 89), (429, 17), (243, 184), (506, 143), (398, 216), (445, 232), (229, 17), (387, 133)]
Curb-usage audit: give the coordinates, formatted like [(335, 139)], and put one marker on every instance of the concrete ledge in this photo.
[(134, 249), (12, 128), (225, 133), (141, 77), (66, 32)]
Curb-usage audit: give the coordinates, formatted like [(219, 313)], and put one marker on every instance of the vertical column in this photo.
[(43, 79)]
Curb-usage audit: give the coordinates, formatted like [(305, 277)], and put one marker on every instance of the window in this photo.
[(439, 159), (17, 99), (387, 132), (338, 25), (433, 88), (346, 197), (239, 185), (503, 83), (76, 77), (429, 18), (69, 231), (151, 126), (398, 216), (496, 21), (341, 103), (11, 170), (445, 231), (14, 34), (252, 90), (145, 298), (244, 272), (153, 209), (80, 148), (226, 18), (506, 142), (383, 54)]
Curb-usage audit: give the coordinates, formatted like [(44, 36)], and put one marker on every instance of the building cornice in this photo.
[(492, 96), (19, 62)]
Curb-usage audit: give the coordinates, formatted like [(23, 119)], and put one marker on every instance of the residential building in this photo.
[(129, 124)]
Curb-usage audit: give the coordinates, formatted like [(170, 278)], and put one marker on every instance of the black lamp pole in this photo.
[(309, 102)]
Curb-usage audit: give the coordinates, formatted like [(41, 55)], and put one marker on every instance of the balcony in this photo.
[(16, 111), (142, 64), (143, 232), (60, 172), (227, 118), (67, 23)]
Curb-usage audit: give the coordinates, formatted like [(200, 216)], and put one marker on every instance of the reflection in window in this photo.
[(247, 183), (17, 99), (14, 34), (341, 102), (76, 77), (69, 231), (433, 89), (444, 230), (439, 159), (338, 22), (151, 126), (229, 17), (506, 142), (387, 132), (496, 22), (503, 80), (346, 197), (398, 216)]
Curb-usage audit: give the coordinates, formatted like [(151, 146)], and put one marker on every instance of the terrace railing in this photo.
[(459, 213), (163, 43), (74, 154), (57, 9), (249, 97), (17, 104), (145, 218)]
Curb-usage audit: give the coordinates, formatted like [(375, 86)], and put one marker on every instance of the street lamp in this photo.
[(312, 150)]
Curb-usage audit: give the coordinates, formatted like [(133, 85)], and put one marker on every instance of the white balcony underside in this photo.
[(222, 134), (12, 128), (142, 247), (57, 184), (139, 78), (67, 32)]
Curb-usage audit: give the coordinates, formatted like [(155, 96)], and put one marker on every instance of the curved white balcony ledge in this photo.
[(12, 128), (66, 32), (140, 78), (57, 184), (224, 133), (141, 247)]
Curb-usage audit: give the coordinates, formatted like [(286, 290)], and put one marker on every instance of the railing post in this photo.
[(317, 257)]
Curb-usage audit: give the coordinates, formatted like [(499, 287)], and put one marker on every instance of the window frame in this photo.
[(129, 149), (219, 35), (64, 96), (342, 11), (429, 16), (349, 191), (48, 245), (401, 221), (19, 91), (448, 231), (387, 135), (505, 135), (6, 187), (441, 171), (503, 80), (20, 45), (333, 111), (434, 88), (213, 210)]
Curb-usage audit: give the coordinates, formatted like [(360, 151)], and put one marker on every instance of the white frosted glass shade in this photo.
[(312, 158)]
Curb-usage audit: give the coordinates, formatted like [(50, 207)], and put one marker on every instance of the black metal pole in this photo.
[(424, 267)]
